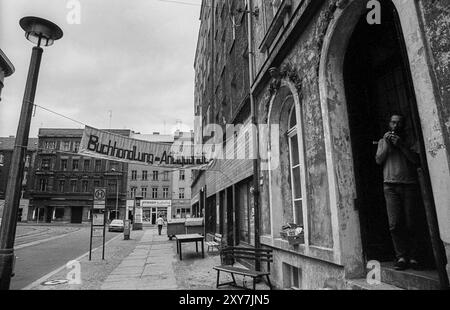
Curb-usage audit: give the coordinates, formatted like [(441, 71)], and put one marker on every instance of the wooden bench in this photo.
[(234, 253), (213, 241)]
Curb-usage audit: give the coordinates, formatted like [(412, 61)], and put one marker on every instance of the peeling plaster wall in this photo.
[(323, 272), (304, 57), (334, 223), (435, 16)]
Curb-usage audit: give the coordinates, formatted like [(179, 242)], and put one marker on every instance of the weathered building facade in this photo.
[(221, 193), (152, 184), (64, 181), (326, 74), (329, 78), (6, 152)]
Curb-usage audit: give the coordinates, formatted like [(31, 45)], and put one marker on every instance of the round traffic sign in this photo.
[(100, 194)]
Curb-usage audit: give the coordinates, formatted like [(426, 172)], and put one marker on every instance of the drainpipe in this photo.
[(255, 139)]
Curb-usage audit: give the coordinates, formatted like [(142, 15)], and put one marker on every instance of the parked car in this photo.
[(116, 225)]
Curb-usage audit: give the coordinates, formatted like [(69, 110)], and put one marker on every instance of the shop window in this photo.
[(245, 216)]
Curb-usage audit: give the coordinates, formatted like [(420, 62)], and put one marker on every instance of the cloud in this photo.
[(132, 57)]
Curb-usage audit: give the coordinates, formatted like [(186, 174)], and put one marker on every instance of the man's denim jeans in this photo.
[(402, 204)]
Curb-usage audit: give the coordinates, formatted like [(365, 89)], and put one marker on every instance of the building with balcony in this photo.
[(64, 181)]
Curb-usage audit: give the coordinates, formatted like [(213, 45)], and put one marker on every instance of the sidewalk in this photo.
[(148, 262), (148, 267)]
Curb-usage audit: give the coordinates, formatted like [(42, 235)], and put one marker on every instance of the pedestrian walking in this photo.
[(160, 223)]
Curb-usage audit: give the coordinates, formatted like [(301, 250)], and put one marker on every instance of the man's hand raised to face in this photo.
[(395, 140)]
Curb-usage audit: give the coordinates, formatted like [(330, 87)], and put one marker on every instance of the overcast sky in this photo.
[(132, 57)]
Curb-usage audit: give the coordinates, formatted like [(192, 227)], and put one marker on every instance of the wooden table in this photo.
[(190, 238)]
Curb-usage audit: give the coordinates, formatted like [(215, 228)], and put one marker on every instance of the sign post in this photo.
[(126, 230), (137, 213), (98, 218)]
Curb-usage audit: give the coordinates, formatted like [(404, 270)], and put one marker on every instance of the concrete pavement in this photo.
[(148, 267), (146, 262)]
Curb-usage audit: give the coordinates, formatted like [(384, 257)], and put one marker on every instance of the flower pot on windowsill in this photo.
[(293, 234), (295, 240)]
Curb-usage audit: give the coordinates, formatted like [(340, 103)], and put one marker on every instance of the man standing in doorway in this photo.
[(160, 223), (399, 157)]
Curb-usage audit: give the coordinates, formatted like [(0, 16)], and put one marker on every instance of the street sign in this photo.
[(99, 198), (97, 232), (98, 219), (98, 223)]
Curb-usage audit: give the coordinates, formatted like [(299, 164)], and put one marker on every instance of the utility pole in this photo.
[(40, 32), (255, 136)]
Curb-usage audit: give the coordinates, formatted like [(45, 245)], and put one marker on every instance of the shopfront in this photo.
[(152, 209)]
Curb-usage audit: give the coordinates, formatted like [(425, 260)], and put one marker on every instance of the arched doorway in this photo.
[(378, 82), (355, 62)]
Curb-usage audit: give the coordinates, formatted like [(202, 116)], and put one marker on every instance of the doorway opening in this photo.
[(378, 82), (77, 215)]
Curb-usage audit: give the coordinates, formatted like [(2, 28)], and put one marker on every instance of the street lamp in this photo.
[(42, 33)]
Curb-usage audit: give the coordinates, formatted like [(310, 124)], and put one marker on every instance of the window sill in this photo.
[(311, 251)]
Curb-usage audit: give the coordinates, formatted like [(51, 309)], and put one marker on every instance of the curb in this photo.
[(45, 277)]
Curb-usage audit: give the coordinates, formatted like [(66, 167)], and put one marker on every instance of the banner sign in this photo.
[(110, 146)]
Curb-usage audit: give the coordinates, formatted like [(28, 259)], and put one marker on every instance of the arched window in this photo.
[(295, 168)]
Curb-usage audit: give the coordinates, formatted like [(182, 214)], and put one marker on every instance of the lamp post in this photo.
[(42, 33)]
